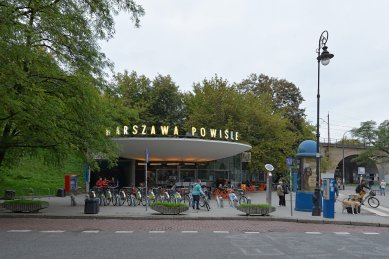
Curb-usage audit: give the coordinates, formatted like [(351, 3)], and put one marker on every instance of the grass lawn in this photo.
[(33, 177)]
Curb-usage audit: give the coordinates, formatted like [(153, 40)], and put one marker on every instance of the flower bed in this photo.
[(256, 209), (169, 208), (25, 205)]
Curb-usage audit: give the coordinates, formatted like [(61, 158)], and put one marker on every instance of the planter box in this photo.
[(24, 207), (256, 210), (169, 210)]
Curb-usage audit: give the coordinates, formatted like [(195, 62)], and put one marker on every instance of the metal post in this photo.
[(290, 190), (323, 57), (268, 187), (343, 161)]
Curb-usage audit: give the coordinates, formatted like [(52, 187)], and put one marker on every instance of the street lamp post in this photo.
[(323, 57)]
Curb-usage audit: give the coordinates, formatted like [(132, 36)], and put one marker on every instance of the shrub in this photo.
[(255, 206), (169, 204)]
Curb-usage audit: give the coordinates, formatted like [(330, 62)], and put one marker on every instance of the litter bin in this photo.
[(91, 206), (9, 195), (60, 192)]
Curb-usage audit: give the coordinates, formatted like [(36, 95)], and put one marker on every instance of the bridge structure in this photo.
[(338, 153)]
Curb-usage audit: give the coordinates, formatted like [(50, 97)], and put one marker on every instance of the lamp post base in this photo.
[(316, 210)]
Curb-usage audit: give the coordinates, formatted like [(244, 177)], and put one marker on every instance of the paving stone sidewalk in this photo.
[(60, 207)]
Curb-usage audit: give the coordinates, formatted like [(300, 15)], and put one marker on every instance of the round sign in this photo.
[(269, 167)]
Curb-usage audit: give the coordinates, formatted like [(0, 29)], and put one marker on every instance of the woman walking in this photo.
[(281, 194)]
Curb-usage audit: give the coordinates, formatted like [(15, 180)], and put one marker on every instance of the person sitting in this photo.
[(360, 190), (100, 183)]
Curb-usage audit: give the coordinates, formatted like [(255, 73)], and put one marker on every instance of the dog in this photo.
[(350, 203)]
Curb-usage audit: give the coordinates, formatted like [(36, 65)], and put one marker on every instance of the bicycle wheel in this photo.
[(122, 198), (129, 200), (243, 200), (115, 199), (202, 201), (207, 206), (373, 202), (108, 198)]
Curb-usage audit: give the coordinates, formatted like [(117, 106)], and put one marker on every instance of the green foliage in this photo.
[(255, 205), (376, 140), (216, 103), (158, 102), (169, 204), (43, 203), (52, 76), (32, 176)]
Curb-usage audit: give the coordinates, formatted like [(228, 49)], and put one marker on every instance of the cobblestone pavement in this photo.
[(60, 208)]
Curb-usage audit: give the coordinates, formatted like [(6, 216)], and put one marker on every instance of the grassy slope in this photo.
[(42, 178)]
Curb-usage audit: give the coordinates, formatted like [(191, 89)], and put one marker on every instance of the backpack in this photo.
[(286, 189)]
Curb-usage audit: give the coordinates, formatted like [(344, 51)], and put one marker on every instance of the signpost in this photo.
[(289, 163)]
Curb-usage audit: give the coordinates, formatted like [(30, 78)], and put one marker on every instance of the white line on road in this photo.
[(251, 232), (371, 233), (383, 208), (342, 233), (52, 231), (313, 233), (124, 231), (157, 231), (189, 231), (379, 213), (91, 231), (221, 232), (19, 230)]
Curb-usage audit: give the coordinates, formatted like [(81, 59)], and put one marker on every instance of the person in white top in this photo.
[(382, 187)]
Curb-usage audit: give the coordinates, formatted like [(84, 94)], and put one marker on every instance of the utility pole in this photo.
[(328, 120)]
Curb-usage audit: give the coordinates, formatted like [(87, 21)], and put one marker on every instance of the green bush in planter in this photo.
[(169, 204), (169, 208), (256, 209), (25, 205)]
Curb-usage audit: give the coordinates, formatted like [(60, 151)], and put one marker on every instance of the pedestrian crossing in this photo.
[(380, 211)]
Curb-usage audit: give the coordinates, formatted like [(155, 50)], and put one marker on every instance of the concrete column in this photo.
[(132, 172)]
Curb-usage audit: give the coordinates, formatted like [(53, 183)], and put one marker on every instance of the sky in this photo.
[(196, 40)]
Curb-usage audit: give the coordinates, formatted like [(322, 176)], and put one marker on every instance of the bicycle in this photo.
[(242, 198), (204, 202), (371, 200)]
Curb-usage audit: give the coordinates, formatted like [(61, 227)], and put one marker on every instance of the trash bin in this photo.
[(60, 192), (91, 206), (9, 195)]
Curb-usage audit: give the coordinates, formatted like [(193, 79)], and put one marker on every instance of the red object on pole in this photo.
[(70, 182)]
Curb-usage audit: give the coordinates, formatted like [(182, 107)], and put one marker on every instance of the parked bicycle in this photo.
[(242, 198)]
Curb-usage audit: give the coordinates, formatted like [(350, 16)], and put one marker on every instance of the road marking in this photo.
[(52, 231), (157, 231), (189, 231), (371, 233), (221, 232), (124, 231), (379, 213), (19, 230), (342, 233), (91, 231), (313, 233), (251, 232), (383, 208)]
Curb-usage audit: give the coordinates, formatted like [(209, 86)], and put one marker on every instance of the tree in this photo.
[(158, 102), (376, 140), (218, 104), (52, 76), (286, 99)]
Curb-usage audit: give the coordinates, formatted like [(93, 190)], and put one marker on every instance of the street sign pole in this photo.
[(147, 161), (289, 163)]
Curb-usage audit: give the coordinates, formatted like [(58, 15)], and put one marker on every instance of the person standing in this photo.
[(281, 194), (196, 192), (382, 187)]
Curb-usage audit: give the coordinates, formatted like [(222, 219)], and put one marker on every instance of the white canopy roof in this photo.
[(178, 149)]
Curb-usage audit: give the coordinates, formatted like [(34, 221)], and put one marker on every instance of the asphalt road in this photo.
[(75, 238)]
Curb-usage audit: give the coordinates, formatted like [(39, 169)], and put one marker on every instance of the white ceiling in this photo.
[(178, 149)]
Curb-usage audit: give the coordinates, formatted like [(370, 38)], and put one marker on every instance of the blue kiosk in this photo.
[(306, 176)]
